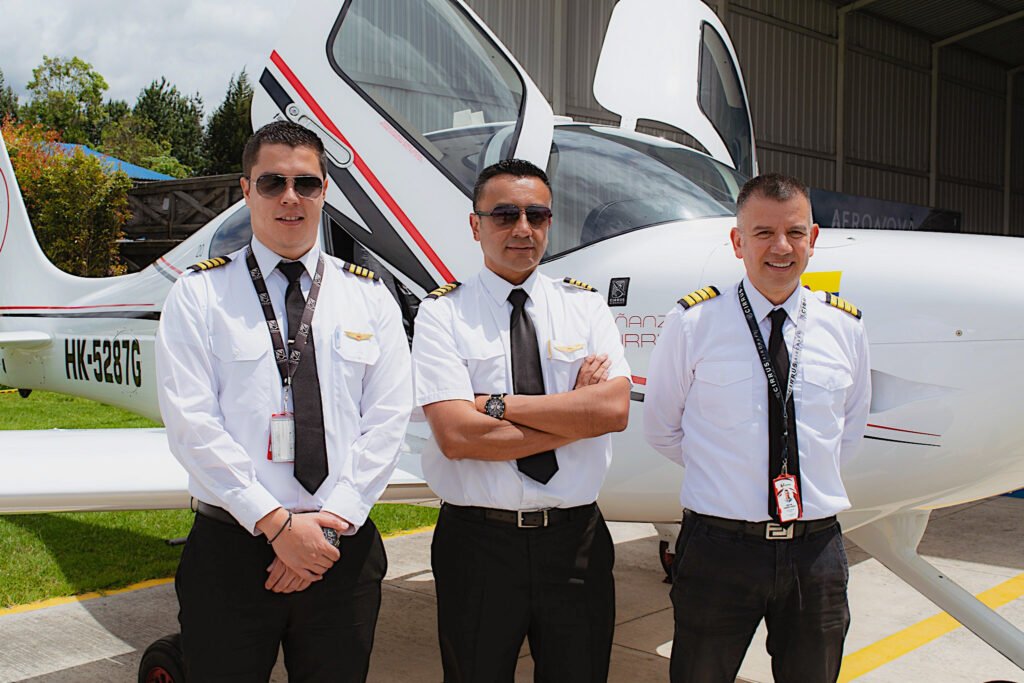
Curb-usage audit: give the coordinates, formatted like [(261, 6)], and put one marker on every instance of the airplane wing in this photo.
[(25, 339), (127, 469)]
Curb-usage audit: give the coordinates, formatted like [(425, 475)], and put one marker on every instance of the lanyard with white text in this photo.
[(286, 362), (769, 369)]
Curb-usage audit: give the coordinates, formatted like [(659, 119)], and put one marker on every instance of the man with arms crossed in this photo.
[(522, 377), (762, 392), (284, 384)]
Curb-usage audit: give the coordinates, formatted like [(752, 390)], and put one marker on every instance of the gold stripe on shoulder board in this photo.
[(843, 305), (361, 271), (444, 289), (578, 283), (701, 295), (215, 262)]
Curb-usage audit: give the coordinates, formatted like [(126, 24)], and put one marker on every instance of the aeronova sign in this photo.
[(838, 210)]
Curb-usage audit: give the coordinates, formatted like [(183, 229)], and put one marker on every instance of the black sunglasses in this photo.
[(507, 215), (272, 185)]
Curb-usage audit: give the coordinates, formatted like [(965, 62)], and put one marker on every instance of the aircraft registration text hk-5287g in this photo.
[(113, 361)]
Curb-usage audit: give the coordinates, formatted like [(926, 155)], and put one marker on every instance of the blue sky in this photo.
[(196, 44)]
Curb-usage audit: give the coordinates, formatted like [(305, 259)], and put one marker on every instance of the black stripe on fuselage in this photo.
[(132, 315)]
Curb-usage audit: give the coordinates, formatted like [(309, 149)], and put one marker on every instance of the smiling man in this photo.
[(522, 378), (284, 386), (763, 428)]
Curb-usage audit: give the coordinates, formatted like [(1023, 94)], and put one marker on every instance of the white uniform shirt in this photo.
[(461, 348), (218, 385), (706, 405)]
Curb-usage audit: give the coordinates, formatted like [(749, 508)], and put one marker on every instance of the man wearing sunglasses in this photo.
[(522, 378), (284, 385)]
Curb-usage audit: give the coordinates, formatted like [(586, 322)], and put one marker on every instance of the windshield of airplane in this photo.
[(426, 67), (722, 100), (606, 184)]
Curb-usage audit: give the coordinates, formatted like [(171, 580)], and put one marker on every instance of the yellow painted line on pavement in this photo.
[(53, 602), (409, 532), (878, 654)]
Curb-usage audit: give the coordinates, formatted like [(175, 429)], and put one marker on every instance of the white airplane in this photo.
[(413, 98)]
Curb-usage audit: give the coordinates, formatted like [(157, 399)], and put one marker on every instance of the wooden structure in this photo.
[(166, 212)]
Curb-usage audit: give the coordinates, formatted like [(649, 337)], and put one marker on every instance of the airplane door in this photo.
[(672, 61), (412, 98)]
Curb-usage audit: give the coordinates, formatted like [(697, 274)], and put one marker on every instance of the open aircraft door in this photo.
[(672, 61), (412, 98)]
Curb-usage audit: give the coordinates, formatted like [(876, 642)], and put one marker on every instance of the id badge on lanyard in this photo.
[(787, 498), (282, 425), (282, 434)]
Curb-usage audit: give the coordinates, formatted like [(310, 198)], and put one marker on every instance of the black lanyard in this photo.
[(286, 362), (769, 369)]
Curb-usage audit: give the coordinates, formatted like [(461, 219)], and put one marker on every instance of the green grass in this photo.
[(56, 555)]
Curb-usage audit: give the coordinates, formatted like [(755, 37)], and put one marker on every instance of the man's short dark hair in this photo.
[(282, 133), (775, 186), (519, 168)]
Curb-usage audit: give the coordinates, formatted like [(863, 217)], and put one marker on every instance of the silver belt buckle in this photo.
[(774, 531), (519, 519)]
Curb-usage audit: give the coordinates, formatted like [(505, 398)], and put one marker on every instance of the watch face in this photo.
[(495, 407)]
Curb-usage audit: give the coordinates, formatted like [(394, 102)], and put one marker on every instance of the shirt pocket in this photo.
[(238, 355), (486, 367), (566, 359), (725, 392), (354, 352), (822, 405)]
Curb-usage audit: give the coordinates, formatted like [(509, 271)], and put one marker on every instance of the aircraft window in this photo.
[(721, 99), (606, 184), (233, 234), (427, 68)]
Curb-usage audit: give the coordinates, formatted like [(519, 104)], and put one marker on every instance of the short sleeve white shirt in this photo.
[(706, 405), (461, 349)]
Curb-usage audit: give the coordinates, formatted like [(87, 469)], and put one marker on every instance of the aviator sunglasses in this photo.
[(272, 185), (507, 215)]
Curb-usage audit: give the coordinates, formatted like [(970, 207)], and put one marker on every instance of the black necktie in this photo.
[(528, 380), (779, 356), (310, 445)]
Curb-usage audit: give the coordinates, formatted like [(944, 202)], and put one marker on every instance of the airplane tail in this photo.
[(25, 271)]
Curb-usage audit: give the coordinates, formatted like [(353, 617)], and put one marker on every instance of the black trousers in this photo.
[(231, 626), (498, 584), (725, 583)]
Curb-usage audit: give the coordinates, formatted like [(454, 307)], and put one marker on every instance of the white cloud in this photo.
[(196, 44)]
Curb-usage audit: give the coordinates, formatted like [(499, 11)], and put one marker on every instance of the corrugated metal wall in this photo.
[(788, 50)]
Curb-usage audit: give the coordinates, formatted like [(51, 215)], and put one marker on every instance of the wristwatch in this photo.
[(495, 406)]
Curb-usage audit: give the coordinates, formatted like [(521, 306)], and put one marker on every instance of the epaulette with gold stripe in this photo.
[(701, 295), (578, 283), (361, 271), (444, 289), (843, 305), (209, 263)]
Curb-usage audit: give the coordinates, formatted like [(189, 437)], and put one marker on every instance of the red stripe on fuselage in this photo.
[(169, 265), (377, 186), (906, 431), (69, 308)]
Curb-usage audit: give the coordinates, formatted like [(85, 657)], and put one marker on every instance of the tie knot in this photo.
[(778, 317), (292, 270), (517, 297)]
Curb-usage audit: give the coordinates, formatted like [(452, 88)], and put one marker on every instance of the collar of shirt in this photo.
[(499, 288), (762, 307), (267, 259)]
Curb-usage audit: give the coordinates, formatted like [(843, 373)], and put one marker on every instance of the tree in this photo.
[(133, 139), (176, 118), (8, 100), (77, 208), (229, 128), (66, 95)]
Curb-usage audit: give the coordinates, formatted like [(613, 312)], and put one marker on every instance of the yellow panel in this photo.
[(822, 281)]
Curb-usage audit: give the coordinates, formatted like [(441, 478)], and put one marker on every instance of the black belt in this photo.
[(523, 519), (214, 512), (771, 531)]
